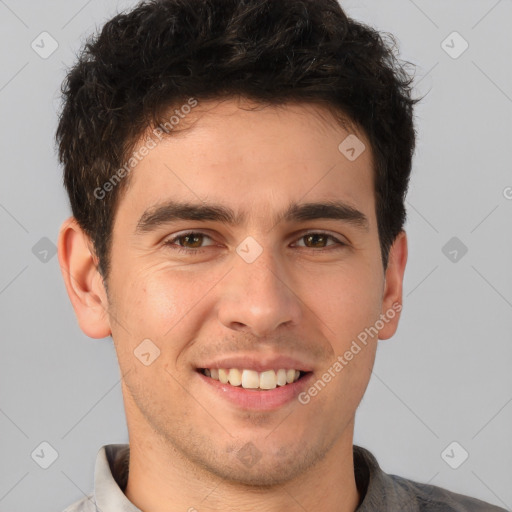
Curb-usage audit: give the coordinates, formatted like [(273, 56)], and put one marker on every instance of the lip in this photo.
[(256, 400), (258, 363)]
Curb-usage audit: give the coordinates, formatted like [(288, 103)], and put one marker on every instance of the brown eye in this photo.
[(315, 239), (188, 242), (194, 239), (319, 240)]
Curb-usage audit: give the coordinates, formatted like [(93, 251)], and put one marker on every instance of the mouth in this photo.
[(265, 380), (257, 381)]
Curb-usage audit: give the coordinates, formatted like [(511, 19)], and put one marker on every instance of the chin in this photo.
[(248, 466)]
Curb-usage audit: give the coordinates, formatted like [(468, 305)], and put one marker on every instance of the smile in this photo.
[(251, 379)]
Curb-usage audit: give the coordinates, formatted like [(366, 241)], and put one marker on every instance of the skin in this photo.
[(184, 437)]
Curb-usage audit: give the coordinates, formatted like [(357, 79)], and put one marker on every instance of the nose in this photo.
[(259, 297)]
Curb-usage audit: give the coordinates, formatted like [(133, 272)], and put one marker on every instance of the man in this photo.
[(237, 171)]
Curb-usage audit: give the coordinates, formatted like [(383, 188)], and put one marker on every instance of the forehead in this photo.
[(254, 158)]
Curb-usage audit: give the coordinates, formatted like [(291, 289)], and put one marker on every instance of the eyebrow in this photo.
[(165, 213)]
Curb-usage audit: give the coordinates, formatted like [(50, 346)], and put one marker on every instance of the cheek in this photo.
[(162, 304), (347, 301), (351, 308)]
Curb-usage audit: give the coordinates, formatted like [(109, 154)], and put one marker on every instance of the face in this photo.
[(256, 282)]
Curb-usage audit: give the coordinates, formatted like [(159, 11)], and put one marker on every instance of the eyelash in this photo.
[(170, 242)]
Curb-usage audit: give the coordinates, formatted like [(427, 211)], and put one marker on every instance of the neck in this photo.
[(161, 480)]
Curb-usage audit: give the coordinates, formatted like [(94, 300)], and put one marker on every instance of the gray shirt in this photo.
[(381, 492)]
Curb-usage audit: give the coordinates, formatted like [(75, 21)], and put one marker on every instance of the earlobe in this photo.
[(83, 282), (393, 286)]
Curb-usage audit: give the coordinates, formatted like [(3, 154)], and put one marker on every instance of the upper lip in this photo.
[(258, 363)]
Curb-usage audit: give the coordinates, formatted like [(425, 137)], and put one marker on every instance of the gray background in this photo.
[(444, 377)]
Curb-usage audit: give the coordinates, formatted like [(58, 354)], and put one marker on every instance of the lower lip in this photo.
[(253, 399)]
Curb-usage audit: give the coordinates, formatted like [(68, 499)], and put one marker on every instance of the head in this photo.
[(244, 108)]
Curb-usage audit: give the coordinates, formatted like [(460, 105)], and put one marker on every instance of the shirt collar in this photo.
[(379, 490), (110, 478)]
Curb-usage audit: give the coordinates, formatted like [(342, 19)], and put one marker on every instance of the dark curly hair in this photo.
[(164, 52)]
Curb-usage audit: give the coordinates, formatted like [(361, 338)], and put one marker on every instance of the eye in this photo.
[(315, 238), (193, 238), (191, 242)]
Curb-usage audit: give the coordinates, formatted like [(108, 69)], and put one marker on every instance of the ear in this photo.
[(393, 281), (83, 281)]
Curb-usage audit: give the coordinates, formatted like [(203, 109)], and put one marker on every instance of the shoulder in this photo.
[(430, 498), (384, 491), (86, 504)]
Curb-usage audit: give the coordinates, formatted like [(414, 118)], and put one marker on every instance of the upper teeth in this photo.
[(251, 379)]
